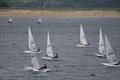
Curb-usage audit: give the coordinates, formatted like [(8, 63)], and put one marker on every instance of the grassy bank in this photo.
[(66, 13)]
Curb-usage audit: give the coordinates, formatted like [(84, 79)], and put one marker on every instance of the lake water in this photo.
[(74, 64)]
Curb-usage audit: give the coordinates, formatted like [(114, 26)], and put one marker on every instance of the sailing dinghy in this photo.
[(110, 55), (83, 41), (101, 46), (10, 20), (31, 43), (35, 64), (50, 55), (39, 20)]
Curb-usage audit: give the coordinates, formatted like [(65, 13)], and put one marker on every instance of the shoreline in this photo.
[(63, 13)]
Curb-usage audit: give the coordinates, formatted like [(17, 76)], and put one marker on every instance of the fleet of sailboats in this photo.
[(105, 50)]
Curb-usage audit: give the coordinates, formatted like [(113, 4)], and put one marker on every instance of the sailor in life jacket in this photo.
[(38, 49), (43, 67), (87, 44), (56, 55)]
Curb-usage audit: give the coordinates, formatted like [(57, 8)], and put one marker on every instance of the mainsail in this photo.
[(101, 43), (34, 61), (10, 20), (40, 20), (49, 48), (31, 42), (82, 36), (111, 57)]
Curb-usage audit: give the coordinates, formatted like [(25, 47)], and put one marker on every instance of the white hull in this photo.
[(82, 45), (100, 55), (110, 65), (30, 52), (36, 70), (39, 22), (50, 58)]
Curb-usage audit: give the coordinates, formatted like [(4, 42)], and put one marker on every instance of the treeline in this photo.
[(61, 4), (4, 3)]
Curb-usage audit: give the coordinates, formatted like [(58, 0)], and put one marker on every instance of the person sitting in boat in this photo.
[(118, 63), (56, 55), (38, 49), (87, 44), (43, 67)]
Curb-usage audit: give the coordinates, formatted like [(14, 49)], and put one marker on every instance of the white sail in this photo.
[(10, 20), (111, 57), (31, 42), (101, 43), (82, 36), (49, 48), (34, 61), (40, 20)]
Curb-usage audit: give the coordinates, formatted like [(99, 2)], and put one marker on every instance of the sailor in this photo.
[(56, 55), (38, 49), (43, 67), (118, 63), (88, 44)]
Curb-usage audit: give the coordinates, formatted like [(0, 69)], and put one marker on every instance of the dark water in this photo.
[(75, 64)]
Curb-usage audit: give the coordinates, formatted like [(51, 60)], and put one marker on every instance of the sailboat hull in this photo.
[(30, 52), (110, 65), (100, 55), (36, 70), (45, 70), (82, 45), (50, 58)]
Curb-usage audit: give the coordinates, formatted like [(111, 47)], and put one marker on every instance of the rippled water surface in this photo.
[(74, 64)]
